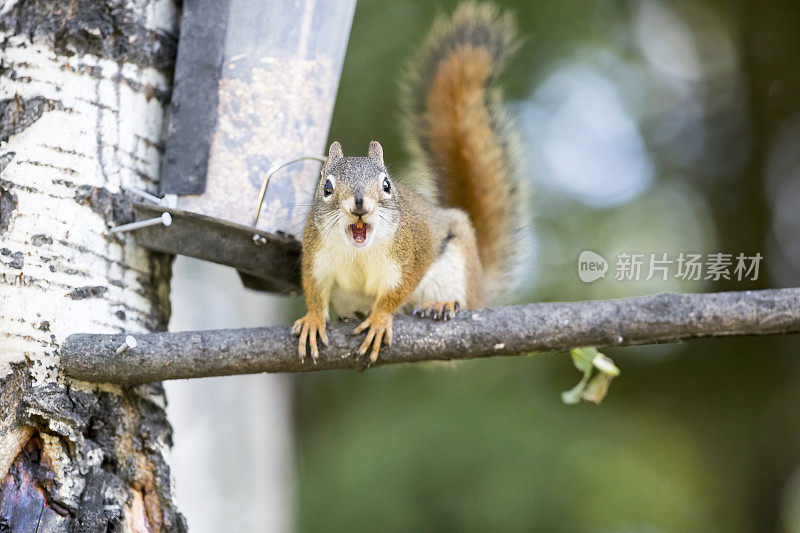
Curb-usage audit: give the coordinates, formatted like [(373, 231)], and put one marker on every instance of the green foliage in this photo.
[(487, 446), (586, 360), (697, 437)]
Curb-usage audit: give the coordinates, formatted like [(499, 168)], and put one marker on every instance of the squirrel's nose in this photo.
[(359, 206)]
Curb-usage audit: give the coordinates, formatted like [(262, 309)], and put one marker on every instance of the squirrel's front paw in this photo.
[(437, 310), (308, 328), (380, 328)]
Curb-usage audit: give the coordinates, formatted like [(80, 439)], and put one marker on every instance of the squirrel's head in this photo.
[(356, 197)]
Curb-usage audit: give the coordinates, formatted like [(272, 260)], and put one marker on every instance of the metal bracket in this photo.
[(273, 266)]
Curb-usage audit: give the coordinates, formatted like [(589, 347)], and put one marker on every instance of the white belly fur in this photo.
[(445, 281), (356, 277)]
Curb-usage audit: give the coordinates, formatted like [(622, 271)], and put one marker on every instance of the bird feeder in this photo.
[(255, 84)]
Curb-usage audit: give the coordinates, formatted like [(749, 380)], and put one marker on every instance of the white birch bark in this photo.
[(79, 126)]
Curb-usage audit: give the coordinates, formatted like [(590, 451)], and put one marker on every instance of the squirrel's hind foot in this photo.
[(437, 310)]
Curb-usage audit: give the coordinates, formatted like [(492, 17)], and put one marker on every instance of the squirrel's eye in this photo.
[(387, 187), (327, 190)]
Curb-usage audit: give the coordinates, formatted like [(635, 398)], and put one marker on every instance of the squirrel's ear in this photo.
[(375, 151), (335, 151)]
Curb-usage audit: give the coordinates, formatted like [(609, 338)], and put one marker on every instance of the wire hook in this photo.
[(275, 168)]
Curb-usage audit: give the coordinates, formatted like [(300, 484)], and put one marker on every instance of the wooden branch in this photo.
[(517, 330)]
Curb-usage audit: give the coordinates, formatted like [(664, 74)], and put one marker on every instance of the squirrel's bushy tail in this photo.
[(458, 130)]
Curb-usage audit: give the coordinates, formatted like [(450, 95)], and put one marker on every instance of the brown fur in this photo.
[(313, 323)]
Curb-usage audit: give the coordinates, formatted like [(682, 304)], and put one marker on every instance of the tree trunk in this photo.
[(83, 89)]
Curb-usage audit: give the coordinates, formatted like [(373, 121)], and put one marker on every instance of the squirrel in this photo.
[(372, 245)]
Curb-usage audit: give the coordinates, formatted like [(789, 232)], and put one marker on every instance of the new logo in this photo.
[(591, 266)]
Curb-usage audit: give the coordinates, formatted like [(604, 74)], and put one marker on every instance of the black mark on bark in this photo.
[(18, 113), (81, 293), (26, 493), (40, 239), (8, 203), (126, 430), (113, 207), (17, 260), (113, 29), (5, 159)]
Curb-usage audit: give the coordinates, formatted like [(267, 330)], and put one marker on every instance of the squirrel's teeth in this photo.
[(358, 232)]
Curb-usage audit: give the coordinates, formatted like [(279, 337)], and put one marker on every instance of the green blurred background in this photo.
[(647, 127)]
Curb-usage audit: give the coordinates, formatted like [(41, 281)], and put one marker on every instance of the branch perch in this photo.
[(517, 330)]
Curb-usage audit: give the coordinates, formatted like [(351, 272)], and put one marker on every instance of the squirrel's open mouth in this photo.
[(359, 233)]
